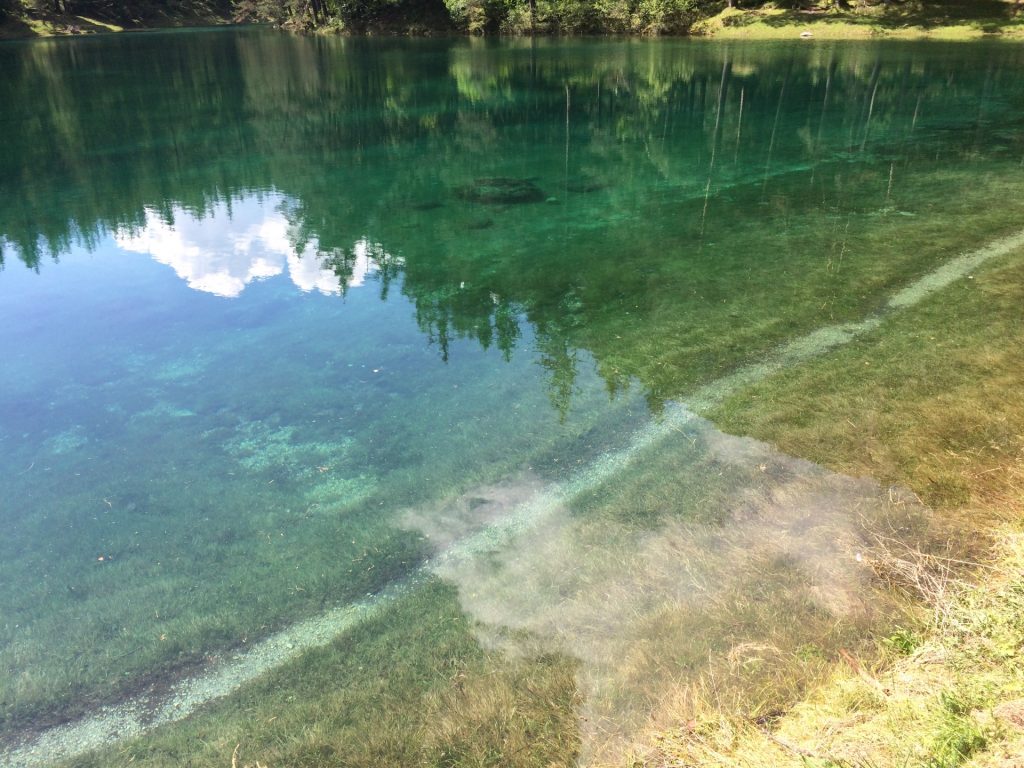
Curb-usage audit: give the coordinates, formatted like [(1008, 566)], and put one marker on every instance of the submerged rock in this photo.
[(501, 191)]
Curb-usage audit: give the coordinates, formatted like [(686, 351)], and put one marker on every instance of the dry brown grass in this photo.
[(954, 698)]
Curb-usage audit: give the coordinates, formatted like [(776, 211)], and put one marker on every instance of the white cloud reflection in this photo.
[(228, 246)]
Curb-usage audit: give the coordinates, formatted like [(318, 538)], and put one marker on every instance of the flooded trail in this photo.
[(789, 507)]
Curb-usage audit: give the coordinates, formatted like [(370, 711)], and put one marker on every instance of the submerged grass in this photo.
[(264, 524), (409, 687), (650, 607), (820, 267), (925, 400), (671, 658), (533, 663), (652, 596)]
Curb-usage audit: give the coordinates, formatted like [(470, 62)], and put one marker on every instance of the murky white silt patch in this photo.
[(621, 598), (808, 520)]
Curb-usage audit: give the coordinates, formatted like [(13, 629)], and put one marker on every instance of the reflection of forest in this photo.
[(665, 164)]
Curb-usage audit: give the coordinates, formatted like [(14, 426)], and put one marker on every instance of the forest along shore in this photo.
[(720, 19), (27, 19)]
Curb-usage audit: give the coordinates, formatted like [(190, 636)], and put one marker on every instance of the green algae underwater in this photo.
[(353, 390)]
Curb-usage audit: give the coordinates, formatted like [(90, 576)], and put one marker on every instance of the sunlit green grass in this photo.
[(950, 21), (952, 699)]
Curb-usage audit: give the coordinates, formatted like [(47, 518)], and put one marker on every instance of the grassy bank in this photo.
[(948, 695), (957, 20), (26, 21)]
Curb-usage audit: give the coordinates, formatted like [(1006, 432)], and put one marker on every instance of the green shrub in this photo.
[(481, 17), (656, 17)]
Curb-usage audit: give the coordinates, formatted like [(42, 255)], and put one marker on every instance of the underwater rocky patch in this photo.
[(67, 441), (501, 190)]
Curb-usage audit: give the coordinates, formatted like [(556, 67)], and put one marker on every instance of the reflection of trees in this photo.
[(87, 159), (638, 143), (449, 311)]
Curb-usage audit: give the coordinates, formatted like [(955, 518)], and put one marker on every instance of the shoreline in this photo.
[(730, 25), (49, 26), (777, 24)]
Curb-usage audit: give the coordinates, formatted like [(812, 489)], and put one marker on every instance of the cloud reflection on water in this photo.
[(224, 249)]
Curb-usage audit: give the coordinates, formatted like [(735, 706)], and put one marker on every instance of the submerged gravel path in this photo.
[(138, 715)]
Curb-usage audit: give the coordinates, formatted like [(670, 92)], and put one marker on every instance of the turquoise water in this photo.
[(291, 321)]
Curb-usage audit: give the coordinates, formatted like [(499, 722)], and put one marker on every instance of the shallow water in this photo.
[(294, 324)]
